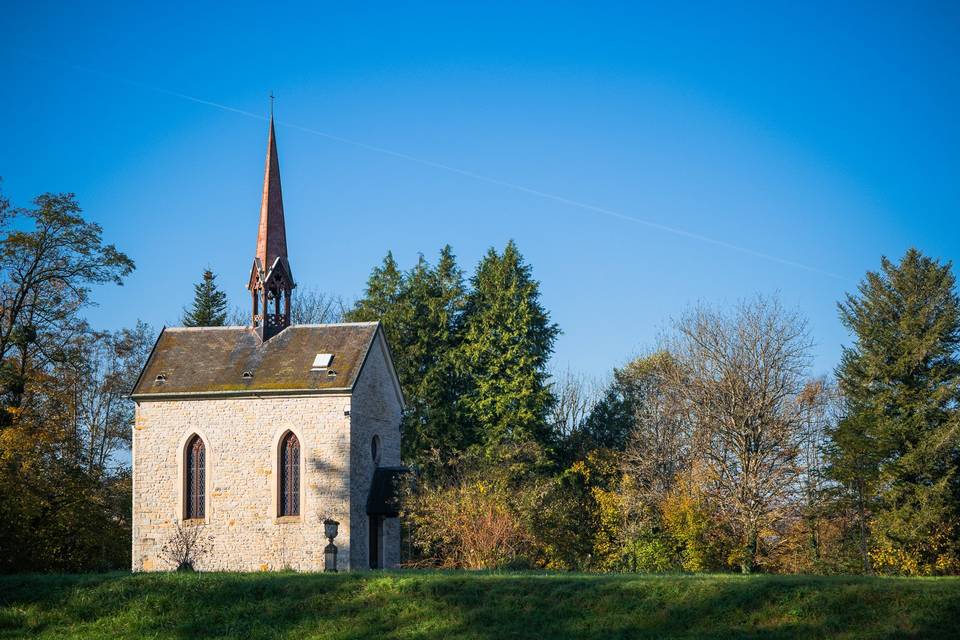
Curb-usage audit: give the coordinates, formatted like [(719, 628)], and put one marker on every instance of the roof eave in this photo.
[(146, 363), (245, 393), (393, 370)]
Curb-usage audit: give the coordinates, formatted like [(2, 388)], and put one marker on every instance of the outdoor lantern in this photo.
[(330, 551)]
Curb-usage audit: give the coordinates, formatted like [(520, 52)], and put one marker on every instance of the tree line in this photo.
[(716, 451)]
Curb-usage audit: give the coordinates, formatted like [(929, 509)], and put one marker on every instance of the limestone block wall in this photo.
[(242, 438), (376, 411)]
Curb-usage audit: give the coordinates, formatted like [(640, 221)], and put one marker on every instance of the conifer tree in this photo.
[(853, 462), (434, 299), (419, 310), (507, 341), (383, 301), (900, 380), (209, 304), (380, 300)]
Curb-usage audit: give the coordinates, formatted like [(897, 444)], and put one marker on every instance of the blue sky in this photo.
[(814, 134)]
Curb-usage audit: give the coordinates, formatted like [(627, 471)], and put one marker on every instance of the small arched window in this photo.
[(375, 449), (289, 476), (196, 478)]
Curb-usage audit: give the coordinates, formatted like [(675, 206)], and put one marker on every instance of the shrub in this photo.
[(187, 544)]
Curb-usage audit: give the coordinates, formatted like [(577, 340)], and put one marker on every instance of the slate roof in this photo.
[(212, 360)]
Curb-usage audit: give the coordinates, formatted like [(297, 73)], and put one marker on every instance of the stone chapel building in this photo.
[(260, 433)]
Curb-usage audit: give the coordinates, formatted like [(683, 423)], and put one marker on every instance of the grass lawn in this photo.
[(415, 604)]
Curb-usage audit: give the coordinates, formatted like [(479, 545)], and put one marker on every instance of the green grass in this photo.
[(475, 605)]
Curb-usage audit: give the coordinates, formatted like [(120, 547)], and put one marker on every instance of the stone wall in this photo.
[(376, 412), (242, 437)]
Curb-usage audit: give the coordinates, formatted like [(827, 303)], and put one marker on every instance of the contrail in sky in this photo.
[(445, 167)]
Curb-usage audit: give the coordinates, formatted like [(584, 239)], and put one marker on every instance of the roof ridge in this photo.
[(218, 328), (338, 324), (369, 323)]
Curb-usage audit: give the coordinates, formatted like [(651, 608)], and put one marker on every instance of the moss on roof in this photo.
[(214, 359)]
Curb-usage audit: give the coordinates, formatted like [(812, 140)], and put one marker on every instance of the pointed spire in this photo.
[(271, 282), (272, 235)]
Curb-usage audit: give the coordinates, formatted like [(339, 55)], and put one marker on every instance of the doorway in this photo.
[(374, 543)]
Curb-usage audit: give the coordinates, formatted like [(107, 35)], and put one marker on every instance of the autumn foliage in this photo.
[(64, 415)]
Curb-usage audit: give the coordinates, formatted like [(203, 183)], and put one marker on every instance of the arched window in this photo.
[(375, 450), (196, 478), (289, 476)]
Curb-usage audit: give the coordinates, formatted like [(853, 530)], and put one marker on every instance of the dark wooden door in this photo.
[(374, 542)]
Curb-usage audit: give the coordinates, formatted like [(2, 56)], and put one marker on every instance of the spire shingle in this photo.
[(272, 235)]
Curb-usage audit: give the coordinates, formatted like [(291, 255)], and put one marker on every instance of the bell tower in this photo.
[(271, 281)]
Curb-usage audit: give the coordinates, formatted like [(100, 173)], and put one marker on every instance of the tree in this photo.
[(307, 306), (62, 506), (466, 515), (636, 404), (471, 363), (209, 304), (420, 310), (433, 298), (99, 373), (658, 444), (311, 306), (381, 299), (575, 401), (740, 376), (507, 341), (817, 539), (854, 464), (898, 447), (48, 262), (566, 516), (654, 518)]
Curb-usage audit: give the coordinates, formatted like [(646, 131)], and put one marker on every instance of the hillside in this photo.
[(483, 606)]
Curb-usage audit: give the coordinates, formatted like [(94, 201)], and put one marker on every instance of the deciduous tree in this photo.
[(740, 375), (62, 506), (50, 257)]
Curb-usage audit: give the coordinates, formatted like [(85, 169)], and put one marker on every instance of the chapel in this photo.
[(259, 434)]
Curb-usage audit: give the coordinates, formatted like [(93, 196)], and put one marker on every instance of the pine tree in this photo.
[(507, 341), (419, 310), (381, 299), (209, 304), (900, 381), (434, 298)]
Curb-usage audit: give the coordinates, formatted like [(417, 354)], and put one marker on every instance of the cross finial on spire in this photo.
[(272, 98)]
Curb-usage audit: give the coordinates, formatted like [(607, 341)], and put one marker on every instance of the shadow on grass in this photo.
[(433, 605)]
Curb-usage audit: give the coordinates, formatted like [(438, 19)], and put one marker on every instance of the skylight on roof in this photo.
[(322, 361)]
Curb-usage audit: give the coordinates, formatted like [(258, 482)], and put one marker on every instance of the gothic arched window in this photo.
[(289, 476), (196, 478)]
